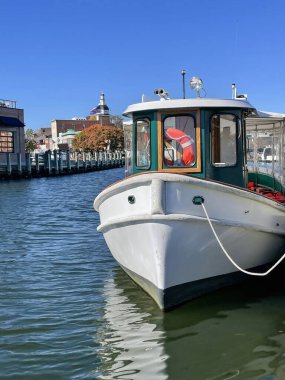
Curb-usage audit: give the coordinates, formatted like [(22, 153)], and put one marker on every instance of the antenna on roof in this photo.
[(183, 72), (234, 91)]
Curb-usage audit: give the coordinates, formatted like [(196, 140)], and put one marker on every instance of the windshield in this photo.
[(179, 141)]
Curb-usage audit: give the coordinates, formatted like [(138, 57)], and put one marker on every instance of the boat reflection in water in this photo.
[(133, 345), (237, 332)]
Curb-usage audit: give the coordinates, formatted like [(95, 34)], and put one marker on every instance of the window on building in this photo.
[(179, 141), (143, 143), (6, 142), (224, 140)]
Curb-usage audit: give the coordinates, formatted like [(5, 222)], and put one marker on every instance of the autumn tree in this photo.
[(98, 137)]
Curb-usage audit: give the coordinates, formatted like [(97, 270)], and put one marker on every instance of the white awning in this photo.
[(265, 120)]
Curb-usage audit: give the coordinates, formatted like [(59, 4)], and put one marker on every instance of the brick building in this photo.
[(98, 115)]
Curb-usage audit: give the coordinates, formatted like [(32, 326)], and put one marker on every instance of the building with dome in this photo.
[(101, 112), (61, 130)]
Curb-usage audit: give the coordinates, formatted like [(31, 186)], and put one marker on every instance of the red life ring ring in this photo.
[(186, 142)]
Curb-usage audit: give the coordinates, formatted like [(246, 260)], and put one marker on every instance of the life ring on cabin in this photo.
[(186, 142)]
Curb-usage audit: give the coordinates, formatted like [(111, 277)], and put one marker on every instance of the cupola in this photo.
[(102, 107)]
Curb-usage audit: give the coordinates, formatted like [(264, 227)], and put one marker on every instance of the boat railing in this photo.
[(266, 149)]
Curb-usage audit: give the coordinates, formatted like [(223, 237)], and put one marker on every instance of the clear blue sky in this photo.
[(57, 55)]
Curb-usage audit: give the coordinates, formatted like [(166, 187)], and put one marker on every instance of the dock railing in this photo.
[(50, 163)]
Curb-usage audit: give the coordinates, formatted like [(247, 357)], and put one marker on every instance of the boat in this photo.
[(198, 208)]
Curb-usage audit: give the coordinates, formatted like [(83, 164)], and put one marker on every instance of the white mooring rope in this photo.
[(231, 260)]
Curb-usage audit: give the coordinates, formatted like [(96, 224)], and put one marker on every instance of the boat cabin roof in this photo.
[(168, 104)]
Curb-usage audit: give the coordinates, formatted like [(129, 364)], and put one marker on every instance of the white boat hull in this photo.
[(164, 241)]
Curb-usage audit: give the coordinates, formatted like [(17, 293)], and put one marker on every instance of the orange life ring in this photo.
[(186, 142)]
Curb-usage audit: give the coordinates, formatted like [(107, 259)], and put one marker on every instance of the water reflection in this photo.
[(132, 346), (237, 333)]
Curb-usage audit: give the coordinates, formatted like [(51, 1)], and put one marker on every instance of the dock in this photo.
[(56, 163)]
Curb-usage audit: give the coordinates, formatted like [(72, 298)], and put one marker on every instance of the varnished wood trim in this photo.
[(189, 169), (178, 170), (159, 139)]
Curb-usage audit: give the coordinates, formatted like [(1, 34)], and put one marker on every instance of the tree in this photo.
[(30, 143), (117, 120), (97, 137)]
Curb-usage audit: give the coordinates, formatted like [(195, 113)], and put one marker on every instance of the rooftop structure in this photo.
[(7, 103), (102, 107)]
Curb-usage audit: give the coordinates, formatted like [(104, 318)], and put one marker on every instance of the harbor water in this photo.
[(69, 312)]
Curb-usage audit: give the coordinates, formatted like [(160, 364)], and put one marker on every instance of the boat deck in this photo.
[(265, 191)]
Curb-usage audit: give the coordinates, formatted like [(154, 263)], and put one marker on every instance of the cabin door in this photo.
[(225, 147)]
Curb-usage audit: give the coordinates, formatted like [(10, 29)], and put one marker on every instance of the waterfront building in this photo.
[(43, 139), (101, 112), (12, 135), (67, 129), (60, 126), (66, 139)]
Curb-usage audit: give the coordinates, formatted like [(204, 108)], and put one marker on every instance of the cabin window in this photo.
[(143, 143), (6, 142), (179, 141), (224, 140)]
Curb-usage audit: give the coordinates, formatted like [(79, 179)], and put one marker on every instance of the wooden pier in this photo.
[(54, 163)]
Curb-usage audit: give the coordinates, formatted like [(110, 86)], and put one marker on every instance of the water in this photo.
[(69, 312)]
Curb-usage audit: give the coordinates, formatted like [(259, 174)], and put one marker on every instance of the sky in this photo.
[(58, 55)]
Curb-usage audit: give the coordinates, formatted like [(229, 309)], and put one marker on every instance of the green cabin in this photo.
[(214, 139)]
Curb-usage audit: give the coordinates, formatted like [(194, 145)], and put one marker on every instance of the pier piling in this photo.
[(53, 163)]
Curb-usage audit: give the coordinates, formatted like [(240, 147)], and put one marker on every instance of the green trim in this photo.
[(236, 119), (233, 175), (152, 117), (229, 174), (266, 180), (142, 167)]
